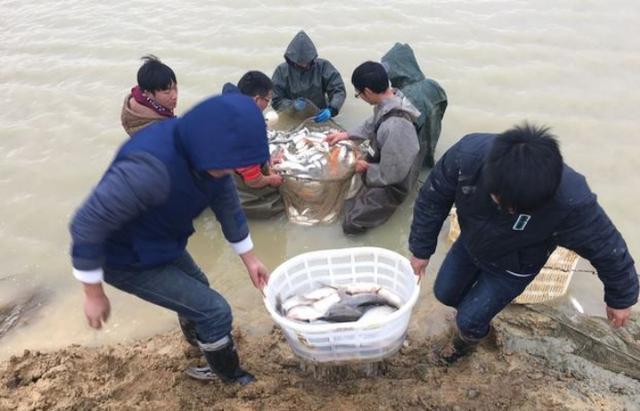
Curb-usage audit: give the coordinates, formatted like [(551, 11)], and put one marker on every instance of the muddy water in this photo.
[(65, 67)]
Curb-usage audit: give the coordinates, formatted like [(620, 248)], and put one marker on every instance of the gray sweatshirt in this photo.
[(396, 141)]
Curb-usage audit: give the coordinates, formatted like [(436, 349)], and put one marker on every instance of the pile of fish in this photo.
[(362, 302), (305, 154)]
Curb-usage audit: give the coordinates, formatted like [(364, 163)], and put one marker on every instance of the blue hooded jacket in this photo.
[(141, 213)]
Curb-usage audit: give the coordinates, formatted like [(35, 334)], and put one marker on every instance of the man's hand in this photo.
[(419, 266), (361, 166), (96, 305), (257, 271), (299, 104), (322, 115), (333, 138), (618, 317), (275, 180), (277, 157)]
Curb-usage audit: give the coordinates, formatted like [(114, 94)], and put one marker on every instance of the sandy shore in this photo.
[(528, 364)]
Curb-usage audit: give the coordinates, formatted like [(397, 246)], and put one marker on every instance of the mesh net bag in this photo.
[(317, 197)]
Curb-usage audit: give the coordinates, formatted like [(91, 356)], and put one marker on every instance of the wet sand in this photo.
[(529, 363)]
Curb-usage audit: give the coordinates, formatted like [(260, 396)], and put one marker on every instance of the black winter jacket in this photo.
[(573, 219)]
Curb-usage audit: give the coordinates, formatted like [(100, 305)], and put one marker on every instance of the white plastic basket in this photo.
[(352, 341)]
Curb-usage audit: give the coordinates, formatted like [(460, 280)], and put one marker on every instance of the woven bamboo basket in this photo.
[(552, 281)]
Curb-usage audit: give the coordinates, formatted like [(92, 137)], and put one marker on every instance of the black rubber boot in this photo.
[(224, 363), (188, 328), (454, 349)]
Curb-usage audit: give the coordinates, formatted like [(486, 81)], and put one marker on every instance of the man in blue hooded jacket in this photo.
[(133, 229)]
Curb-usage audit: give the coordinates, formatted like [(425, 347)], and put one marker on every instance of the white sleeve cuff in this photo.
[(90, 277), (243, 246)]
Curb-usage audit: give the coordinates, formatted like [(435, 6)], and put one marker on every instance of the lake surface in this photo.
[(65, 67)]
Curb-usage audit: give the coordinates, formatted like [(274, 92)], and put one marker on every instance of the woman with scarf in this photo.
[(153, 99)]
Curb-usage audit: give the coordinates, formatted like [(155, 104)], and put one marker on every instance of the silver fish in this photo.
[(376, 314), (290, 166), (339, 303), (341, 313), (322, 292), (303, 313), (317, 135), (324, 304), (392, 298), (354, 288), (293, 302)]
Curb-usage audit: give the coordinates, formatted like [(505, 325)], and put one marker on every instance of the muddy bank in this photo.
[(532, 362)]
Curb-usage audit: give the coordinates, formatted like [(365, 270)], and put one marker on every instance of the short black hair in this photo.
[(370, 75), (255, 83), (524, 167), (154, 75)]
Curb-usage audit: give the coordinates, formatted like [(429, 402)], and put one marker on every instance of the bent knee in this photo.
[(215, 310), (447, 296), (222, 311)]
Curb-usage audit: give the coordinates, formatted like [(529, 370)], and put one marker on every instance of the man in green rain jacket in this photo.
[(425, 94), (305, 77)]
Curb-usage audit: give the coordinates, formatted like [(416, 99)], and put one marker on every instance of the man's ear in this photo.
[(369, 93)]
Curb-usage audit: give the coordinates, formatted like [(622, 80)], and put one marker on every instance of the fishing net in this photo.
[(316, 176)]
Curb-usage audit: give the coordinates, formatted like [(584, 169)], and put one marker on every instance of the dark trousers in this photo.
[(182, 287), (476, 291)]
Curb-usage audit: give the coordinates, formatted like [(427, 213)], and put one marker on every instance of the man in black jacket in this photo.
[(516, 202)]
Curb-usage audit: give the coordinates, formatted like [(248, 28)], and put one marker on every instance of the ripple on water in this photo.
[(66, 65)]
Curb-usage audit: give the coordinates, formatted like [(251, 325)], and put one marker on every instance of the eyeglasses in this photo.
[(357, 95)]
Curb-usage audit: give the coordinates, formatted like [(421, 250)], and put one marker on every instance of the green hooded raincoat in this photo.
[(320, 83), (425, 94)]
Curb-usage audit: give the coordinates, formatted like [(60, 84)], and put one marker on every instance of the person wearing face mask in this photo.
[(516, 202), (132, 230), (257, 184), (304, 78), (153, 99)]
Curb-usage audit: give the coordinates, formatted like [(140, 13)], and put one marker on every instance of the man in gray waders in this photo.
[(424, 93), (392, 165), (516, 202), (132, 230)]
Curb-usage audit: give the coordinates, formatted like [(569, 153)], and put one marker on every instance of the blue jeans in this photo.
[(475, 290), (181, 287)]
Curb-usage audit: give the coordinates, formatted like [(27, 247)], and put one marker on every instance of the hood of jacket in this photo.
[(301, 50), (402, 66), (230, 88), (398, 102), (223, 132)]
